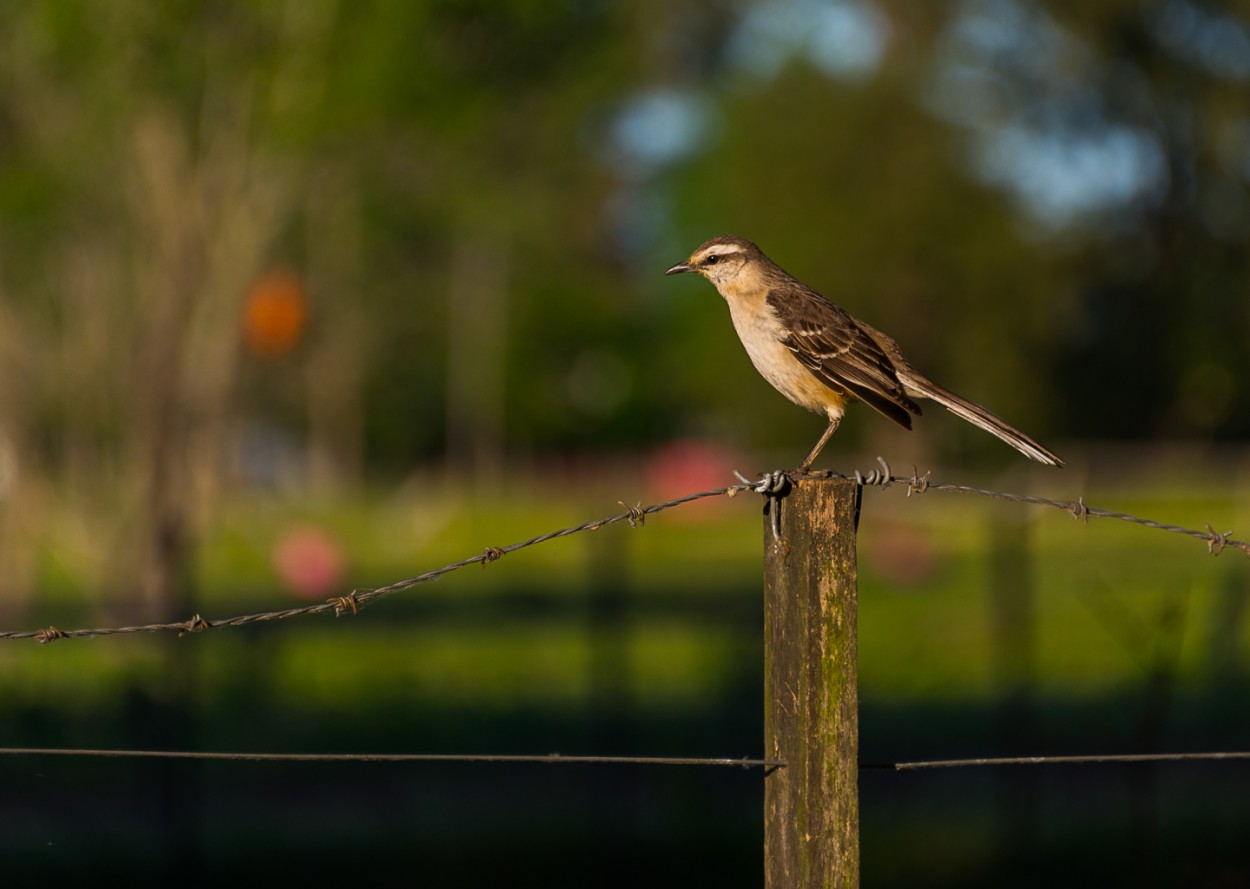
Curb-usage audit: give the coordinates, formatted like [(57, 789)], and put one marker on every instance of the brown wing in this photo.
[(840, 353)]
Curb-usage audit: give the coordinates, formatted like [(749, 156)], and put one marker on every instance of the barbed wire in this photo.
[(919, 484), (772, 485), (359, 599)]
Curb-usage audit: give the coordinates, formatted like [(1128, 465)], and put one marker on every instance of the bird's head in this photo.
[(720, 260)]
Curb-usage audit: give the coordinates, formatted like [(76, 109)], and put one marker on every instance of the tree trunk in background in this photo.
[(476, 342), (338, 347)]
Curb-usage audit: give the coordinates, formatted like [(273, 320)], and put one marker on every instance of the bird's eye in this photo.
[(712, 260)]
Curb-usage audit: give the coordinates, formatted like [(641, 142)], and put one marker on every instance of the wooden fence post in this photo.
[(811, 718)]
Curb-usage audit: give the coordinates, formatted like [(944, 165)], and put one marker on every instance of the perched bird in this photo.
[(818, 356)]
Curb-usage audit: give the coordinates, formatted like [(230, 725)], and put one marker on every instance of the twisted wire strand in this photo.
[(1087, 759), (576, 759), (515, 758)]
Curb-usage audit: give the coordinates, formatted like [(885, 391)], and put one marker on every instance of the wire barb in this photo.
[(48, 634), (491, 554), (635, 515), (774, 486), (770, 484), (881, 477), (196, 624), (1217, 541), (343, 603)]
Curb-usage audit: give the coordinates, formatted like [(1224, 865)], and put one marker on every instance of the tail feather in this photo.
[(980, 417)]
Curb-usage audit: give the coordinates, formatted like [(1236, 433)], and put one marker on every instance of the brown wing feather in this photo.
[(841, 354)]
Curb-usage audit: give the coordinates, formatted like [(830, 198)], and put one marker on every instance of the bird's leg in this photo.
[(824, 439)]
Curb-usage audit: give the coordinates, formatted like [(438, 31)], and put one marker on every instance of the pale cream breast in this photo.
[(763, 336)]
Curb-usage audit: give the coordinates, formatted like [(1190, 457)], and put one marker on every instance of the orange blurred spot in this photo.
[(276, 313)]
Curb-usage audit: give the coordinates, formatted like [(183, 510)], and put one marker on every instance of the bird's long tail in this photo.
[(979, 416)]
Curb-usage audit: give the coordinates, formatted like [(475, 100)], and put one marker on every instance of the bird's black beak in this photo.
[(680, 267)]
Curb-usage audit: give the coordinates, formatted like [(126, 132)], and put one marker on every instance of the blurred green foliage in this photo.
[(1046, 205)]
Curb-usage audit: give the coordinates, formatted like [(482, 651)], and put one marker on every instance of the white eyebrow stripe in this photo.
[(719, 250)]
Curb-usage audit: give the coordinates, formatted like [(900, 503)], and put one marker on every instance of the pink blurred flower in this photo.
[(688, 465), (309, 562)]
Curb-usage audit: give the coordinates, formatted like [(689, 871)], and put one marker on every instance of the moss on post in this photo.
[(811, 721)]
